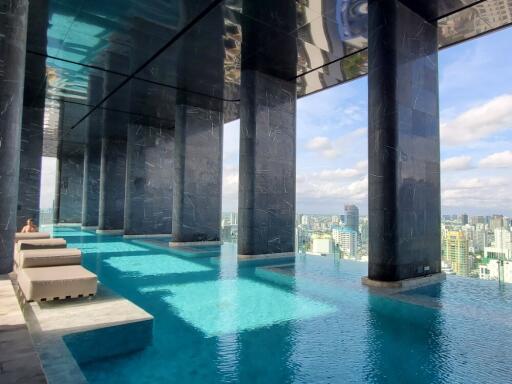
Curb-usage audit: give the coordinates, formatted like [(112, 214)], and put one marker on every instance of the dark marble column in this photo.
[(71, 183), (197, 189), (92, 158), (149, 170), (33, 117), (266, 205), (113, 153), (197, 175), (112, 183), (30, 164), (13, 38), (403, 144)]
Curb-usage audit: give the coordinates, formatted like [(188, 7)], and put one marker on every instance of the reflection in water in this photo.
[(243, 325), (404, 342)]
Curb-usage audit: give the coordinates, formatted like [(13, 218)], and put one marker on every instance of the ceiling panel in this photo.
[(81, 51)]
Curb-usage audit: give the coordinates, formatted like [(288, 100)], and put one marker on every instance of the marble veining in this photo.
[(92, 158), (31, 152), (197, 186), (267, 165), (13, 38), (403, 144), (149, 173), (71, 187)]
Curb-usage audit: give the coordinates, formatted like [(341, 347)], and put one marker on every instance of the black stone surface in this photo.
[(71, 178), (13, 32), (266, 212), (197, 184), (149, 171), (92, 159), (30, 164), (33, 120), (403, 144), (113, 153), (112, 182)]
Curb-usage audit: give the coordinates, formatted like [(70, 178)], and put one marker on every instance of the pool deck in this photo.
[(19, 362), (49, 322), (32, 348)]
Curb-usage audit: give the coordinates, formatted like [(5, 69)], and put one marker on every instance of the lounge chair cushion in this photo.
[(31, 236), (51, 283), (33, 258), (22, 245), (40, 244)]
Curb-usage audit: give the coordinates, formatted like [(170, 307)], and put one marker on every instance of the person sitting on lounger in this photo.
[(29, 227)]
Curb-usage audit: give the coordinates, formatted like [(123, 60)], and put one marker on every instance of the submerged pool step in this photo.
[(92, 328)]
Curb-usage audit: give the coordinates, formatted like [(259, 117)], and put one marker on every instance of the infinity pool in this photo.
[(216, 322)]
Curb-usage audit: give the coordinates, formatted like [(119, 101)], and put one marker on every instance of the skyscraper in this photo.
[(457, 252), (352, 217), (346, 240)]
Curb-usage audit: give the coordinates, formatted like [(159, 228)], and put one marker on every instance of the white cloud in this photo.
[(230, 189), (457, 163), (479, 122), (497, 160), (334, 148), (478, 192)]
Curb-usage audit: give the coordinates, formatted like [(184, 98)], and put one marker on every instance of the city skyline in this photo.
[(476, 137)]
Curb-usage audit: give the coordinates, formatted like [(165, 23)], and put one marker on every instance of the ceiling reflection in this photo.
[(171, 49)]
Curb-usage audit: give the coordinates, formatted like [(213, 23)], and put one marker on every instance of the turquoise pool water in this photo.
[(313, 322)]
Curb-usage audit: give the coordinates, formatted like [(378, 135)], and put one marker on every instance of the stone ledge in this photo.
[(89, 227), (148, 236), (193, 243), (414, 282), (110, 231), (266, 256)]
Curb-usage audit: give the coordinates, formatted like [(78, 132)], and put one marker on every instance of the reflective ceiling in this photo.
[(82, 55)]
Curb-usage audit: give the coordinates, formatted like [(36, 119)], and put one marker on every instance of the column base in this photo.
[(193, 243), (414, 282), (89, 227), (146, 236), (110, 231), (267, 256)]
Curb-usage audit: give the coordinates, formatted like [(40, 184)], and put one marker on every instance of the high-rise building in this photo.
[(233, 217), (463, 219), (304, 220), (496, 270), (346, 239), (322, 245), (497, 221), (456, 252), (502, 245), (352, 217)]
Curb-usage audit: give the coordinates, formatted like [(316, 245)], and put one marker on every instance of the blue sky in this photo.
[(476, 137)]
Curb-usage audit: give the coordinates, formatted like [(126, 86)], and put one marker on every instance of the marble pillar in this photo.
[(33, 117), (266, 207), (13, 38), (266, 204), (31, 153), (403, 144), (149, 170), (199, 119), (113, 153), (112, 183), (71, 183), (92, 158), (197, 183)]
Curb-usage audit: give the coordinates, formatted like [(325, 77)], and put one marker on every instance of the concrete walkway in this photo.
[(19, 362)]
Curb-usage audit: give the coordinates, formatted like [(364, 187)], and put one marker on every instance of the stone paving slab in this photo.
[(19, 362), (50, 321)]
